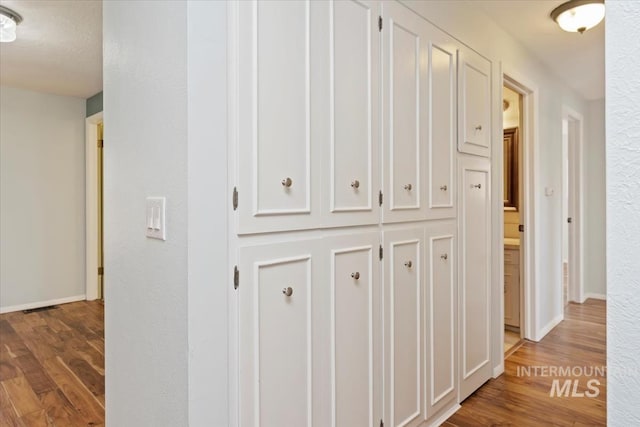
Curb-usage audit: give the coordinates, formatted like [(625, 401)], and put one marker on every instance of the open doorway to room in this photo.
[(513, 222)]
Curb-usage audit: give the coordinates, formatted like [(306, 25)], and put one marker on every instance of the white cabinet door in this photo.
[(442, 124), (474, 103), (277, 158), (404, 326), (441, 317), (351, 171), (475, 272), (405, 111), (356, 330), (279, 380)]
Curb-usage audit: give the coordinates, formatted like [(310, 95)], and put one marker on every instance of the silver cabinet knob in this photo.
[(287, 182), (444, 256), (443, 188), (355, 184), (479, 127), (288, 291), (355, 275), (408, 264), (408, 187), (476, 185)]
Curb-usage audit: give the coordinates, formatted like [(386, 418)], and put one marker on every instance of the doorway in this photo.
[(513, 205), (94, 172)]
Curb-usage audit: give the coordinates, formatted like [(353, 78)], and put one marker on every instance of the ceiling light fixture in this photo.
[(9, 20), (578, 16)]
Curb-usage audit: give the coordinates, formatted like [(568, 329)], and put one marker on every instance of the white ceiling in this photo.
[(59, 47), (578, 59)]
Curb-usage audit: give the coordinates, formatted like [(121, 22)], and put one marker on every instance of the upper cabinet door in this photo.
[(351, 172), (441, 124), (277, 189), (405, 111), (474, 103)]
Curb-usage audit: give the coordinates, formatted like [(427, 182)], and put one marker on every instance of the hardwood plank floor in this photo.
[(521, 398), (52, 367)]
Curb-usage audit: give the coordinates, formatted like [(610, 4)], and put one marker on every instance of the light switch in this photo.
[(155, 223)]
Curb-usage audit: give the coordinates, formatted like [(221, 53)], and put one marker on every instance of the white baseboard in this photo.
[(548, 327), (39, 304), (445, 415), (595, 296), (498, 370)]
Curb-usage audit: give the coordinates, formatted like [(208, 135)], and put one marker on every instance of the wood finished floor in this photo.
[(52, 367), (512, 400)]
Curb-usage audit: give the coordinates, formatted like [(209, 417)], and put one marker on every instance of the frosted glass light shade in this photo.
[(578, 16), (7, 29)]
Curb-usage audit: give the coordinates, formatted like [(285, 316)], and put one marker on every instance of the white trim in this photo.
[(91, 207), (595, 296), (548, 327), (445, 415), (498, 370), (530, 106), (576, 206), (40, 304)]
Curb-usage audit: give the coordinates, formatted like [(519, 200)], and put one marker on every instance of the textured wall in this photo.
[(623, 212), (42, 249)]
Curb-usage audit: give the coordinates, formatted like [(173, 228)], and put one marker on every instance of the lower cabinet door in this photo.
[(355, 333), (441, 317), (404, 331), (278, 383)]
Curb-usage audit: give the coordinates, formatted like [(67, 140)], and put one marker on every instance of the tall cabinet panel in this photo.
[(356, 330), (405, 111), (352, 173), (475, 273), (404, 330), (278, 185), (474, 103), (442, 124), (279, 379), (441, 317)]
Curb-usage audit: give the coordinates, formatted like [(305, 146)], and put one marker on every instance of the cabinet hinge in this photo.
[(381, 252), (100, 143), (100, 271), (380, 198), (521, 228), (379, 23), (235, 198), (236, 277)]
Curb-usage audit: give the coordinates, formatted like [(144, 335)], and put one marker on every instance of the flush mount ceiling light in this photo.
[(9, 20), (579, 15)]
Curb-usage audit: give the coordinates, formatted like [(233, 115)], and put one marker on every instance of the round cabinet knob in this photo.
[(287, 182), (444, 256), (443, 188), (408, 187), (355, 184), (355, 275), (408, 264), (479, 127), (288, 291)]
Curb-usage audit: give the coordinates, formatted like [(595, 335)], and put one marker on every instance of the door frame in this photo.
[(575, 122), (91, 205), (529, 164)]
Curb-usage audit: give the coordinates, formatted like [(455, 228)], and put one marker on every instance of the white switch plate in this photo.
[(155, 222)]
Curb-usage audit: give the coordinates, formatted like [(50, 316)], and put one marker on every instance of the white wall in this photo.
[(468, 23), (166, 302), (145, 114), (595, 200), (42, 248), (623, 210)]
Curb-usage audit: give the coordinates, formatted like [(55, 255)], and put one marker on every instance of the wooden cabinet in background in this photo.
[(512, 286)]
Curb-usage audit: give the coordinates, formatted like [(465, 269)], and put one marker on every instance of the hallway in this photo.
[(578, 342)]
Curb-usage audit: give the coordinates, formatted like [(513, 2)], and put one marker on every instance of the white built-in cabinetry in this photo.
[(345, 118)]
